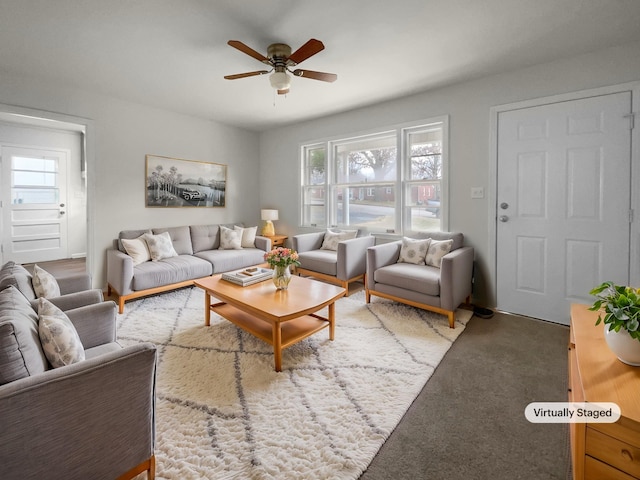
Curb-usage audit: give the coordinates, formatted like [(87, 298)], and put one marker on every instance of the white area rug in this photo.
[(223, 412)]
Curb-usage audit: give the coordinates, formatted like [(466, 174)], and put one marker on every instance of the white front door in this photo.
[(563, 203), (34, 202)]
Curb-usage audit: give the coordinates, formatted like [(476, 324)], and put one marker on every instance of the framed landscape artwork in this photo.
[(174, 182)]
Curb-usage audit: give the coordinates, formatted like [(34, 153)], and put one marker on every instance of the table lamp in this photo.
[(268, 215)]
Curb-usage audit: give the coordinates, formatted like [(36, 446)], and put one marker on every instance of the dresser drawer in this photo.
[(596, 470), (612, 451)]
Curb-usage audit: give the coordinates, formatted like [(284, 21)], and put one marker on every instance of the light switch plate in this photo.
[(477, 192)]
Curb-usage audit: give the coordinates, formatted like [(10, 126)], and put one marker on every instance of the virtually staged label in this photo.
[(572, 412)]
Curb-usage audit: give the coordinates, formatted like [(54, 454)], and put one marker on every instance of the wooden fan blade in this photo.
[(248, 50), (244, 75), (283, 92), (310, 48), (322, 76)]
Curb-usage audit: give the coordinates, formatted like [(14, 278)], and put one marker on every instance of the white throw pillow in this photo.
[(437, 250), (333, 237), (230, 239), (59, 338), (247, 236), (414, 250), (160, 246), (44, 284), (137, 249)]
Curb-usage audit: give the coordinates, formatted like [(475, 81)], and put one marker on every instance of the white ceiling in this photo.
[(173, 53)]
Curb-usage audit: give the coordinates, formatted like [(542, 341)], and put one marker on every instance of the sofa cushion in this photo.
[(204, 237), (413, 250), (44, 284), (321, 261), (247, 236), (230, 239), (59, 338), (98, 350), (333, 237), (180, 238), (21, 354), (18, 276), (437, 250), (137, 249), (160, 246), (130, 234), (227, 260), (458, 238), (170, 270), (418, 278)]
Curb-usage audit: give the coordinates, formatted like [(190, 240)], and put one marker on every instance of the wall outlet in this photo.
[(477, 192)]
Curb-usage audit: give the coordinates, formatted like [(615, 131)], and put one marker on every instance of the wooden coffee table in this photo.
[(278, 317)]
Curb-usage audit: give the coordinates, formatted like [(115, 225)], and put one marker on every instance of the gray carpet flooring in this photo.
[(468, 422)]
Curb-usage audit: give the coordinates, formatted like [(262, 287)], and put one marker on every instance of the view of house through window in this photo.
[(391, 181)]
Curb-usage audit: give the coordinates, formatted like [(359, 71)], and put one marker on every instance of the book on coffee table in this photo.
[(248, 276)]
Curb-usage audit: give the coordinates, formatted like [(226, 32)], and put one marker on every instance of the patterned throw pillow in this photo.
[(44, 284), (437, 250), (332, 238), (414, 250), (137, 249), (160, 246), (230, 239), (247, 236), (59, 338)]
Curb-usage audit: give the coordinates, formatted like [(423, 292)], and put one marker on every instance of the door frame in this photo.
[(492, 187), (31, 116)]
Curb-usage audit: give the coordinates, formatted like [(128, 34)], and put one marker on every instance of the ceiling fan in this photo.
[(280, 58)]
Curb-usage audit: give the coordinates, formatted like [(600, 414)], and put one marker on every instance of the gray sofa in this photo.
[(440, 290), (199, 255), (90, 419)]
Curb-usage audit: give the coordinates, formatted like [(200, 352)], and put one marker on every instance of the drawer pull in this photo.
[(626, 454)]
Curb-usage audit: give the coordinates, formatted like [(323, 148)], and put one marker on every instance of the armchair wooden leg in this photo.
[(367, 296), (452, 318), (148, 465)]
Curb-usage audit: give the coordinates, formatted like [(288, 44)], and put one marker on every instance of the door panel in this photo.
[(34, 204), (563, 203)]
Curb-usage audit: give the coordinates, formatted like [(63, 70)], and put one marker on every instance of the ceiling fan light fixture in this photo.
[(280, 80)]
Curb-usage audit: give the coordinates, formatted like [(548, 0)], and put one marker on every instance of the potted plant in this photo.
[(621, 308), (280, 259)]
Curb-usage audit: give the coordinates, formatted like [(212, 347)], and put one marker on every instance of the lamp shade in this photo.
[(266, 214), (280, 80)]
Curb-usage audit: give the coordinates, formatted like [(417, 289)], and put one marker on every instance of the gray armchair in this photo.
[(342, 266), (75, 289), (91, 419), (440, 290)]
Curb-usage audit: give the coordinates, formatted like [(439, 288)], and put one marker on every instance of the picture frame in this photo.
[(179, 183)]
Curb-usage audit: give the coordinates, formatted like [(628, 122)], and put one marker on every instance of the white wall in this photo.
[(468, 106), (123, 133)]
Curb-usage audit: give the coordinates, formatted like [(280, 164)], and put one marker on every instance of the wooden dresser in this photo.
[(602, 451)]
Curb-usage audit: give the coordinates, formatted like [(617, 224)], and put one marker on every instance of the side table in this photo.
[(277, 240)]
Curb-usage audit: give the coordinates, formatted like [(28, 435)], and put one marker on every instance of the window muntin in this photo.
[(392, 181), (34, 180)]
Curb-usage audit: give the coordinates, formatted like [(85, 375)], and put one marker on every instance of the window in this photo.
[(388, 181), (34, 180)]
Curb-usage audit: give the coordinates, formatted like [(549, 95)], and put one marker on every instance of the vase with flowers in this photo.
[(621, 308), (281, 259)]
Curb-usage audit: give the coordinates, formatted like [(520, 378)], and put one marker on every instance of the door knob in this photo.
[(61, 212), (503, 218)]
